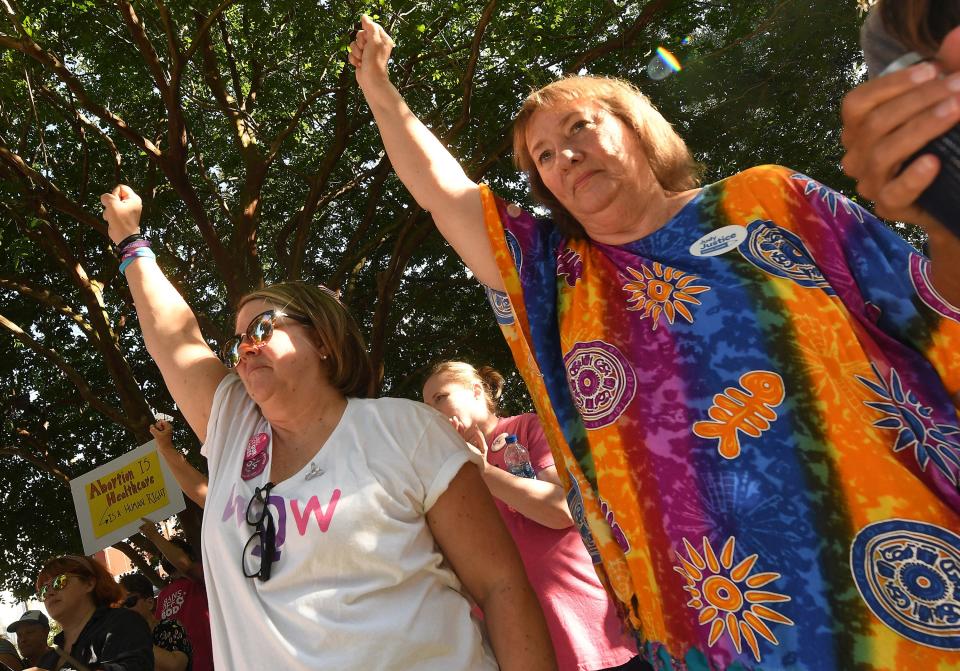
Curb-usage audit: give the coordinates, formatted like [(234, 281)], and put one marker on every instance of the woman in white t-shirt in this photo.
[(339, 531)]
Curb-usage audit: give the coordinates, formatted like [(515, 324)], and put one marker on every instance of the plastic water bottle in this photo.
[(517, 459)]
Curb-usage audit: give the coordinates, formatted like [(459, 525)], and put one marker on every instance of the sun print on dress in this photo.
[(662, 291), (747, 410), (914, 425), (728, 597)]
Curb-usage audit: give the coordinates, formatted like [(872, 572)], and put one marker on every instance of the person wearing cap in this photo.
[(32, 630)]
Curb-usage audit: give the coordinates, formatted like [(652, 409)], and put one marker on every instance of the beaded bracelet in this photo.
[(141, 252)]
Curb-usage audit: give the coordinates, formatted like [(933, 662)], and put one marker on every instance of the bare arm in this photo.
[(191, 481), (174, 554), (468, 529), (428, 170), (171, 333), (541, 500)]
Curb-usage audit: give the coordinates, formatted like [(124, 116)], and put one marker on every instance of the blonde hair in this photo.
[(349, 367), (667, 153), (463, 373)]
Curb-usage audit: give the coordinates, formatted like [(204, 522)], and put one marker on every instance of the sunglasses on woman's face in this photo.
[(53, 585), (258, 334)]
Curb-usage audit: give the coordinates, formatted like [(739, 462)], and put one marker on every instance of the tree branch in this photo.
[(69, 371), (137, 559), (49, 299), (470, 71), (352, 251), (342, 132), (131, 398), (285, 132), (32, 458), (143, 43), (231, 61), (621, 41), (30, 48), (173, 44), (203, 30), (39, 186), (414, 231)]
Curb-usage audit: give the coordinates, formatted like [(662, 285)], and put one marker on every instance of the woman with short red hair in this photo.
[(748, 387), (79, 593)]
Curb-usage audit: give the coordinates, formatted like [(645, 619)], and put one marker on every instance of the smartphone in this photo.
[(942, 198)]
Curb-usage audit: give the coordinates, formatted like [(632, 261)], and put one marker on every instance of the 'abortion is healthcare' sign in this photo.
[(111, 499)]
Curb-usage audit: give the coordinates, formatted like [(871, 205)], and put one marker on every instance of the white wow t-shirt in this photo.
[(358, 582)]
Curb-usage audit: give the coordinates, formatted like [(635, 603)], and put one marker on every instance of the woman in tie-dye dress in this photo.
[(748, 387)]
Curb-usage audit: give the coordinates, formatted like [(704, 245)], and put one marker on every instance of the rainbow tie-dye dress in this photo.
[(752, 410)]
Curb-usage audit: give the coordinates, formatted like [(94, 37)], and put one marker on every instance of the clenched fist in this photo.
[(162, 432), (369, 52), (121, 211)]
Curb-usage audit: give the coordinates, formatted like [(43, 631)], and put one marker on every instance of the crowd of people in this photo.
[(115, 625), (746, 452)]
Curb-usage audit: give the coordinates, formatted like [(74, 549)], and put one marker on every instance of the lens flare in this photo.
[(686, 40), (663, 64)]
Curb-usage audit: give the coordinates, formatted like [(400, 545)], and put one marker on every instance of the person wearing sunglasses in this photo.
[(339, 531), (172, 650), (79, 593), (746, 385)]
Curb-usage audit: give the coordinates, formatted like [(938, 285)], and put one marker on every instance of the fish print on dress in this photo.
[(747, 410)]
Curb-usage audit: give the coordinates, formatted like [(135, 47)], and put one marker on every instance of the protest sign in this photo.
[(111, 499)]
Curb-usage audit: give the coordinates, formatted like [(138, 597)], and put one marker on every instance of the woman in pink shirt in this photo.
[(586, 631)]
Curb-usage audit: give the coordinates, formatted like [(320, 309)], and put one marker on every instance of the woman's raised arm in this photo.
[(171, 333), (432, 175)]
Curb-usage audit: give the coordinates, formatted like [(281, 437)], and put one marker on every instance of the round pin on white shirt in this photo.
[(719, 241)]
